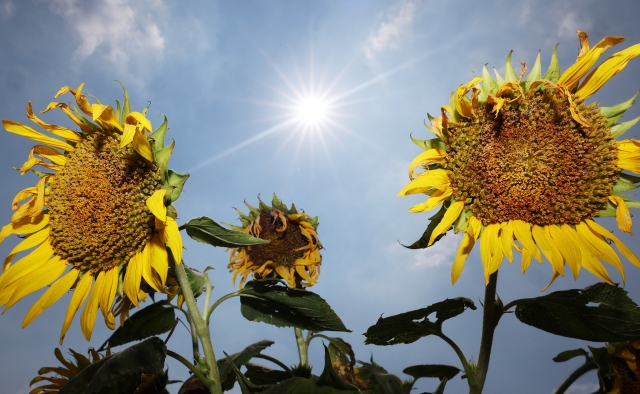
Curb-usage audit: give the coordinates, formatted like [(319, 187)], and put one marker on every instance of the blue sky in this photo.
[(230, 75)]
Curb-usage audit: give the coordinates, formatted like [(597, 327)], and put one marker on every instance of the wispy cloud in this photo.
[(570, 23), (440, 253), (112, 28), (6, 9), (391, 31)]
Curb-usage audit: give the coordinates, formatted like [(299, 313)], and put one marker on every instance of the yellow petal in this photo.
[(553, 278), (565, 239), (29, 225), (26, 131), (622, 248), (593, 265), (463, 252), (489, 244), (132, 278), (426, 157), (148, 274), (49, 297), (37, 279), (38, 257), (522, 230), (170, 235), (135, 117), (463, 106), (576, 71), (27, 243), (549, 249), (597, 246), (506, 237), (623, 216), (90, 311), (155, 203), (65, 108), (77, 299), (437, 179), (436, 198), (526, 259), (142, 146), (104, 115), (610, 67), (304, 274), (81, 100), (109, 291), (158, 257), (6, 231), (127, 135), (445, 224), (475, 224), (60, 131)]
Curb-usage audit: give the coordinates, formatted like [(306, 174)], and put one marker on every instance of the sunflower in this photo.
[(293, 252), (527, 159), (626, 375), (99, 219)]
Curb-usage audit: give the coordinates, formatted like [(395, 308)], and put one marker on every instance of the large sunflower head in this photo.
[(526, 159), (293, 251), (99, 220)]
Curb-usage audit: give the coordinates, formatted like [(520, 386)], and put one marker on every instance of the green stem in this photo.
[(207, 297), (303, 347), (194, 341), (275, 361), (192, 367), (465, 364), (202, 330), (490, 319), (220, 301), (586, 367)]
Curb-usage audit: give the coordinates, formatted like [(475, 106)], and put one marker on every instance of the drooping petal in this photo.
[(132, 278), (155, 203), (526, 259), (135, 117), (37, 279), (447, 221), (564, 238), (522, 230), (170, 235), (595, 267), (90, 311), (80, 294), (109, 291), (127, 135), (623, 216), (622, 248), (598, 247), (437, 179), (149, 275), (27, 264), (548, 248), (26, 131), (49, 297), (436, 198), (464, 249), (29, 225), (158, 257), (490, 246), (142, 146), (506, 237), (28, 243), (60, 131), (610, 67), (426, 157)]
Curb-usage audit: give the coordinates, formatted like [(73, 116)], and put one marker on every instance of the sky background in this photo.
[(229, 76)]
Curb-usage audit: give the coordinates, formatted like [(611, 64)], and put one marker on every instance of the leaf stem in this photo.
[(220, 301), (202, 330), (584, 368), (303, 347), (192, 367), (465, 364), (207, 298), (275, 361), (490, 318)]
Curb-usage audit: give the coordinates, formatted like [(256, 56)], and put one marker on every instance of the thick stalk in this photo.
[(201, 328), (303, 347), (490, 319), (584, 368)]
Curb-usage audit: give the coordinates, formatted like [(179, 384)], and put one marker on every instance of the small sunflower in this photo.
[(527, 159), (99, 220), (66, 372), (293, 252)]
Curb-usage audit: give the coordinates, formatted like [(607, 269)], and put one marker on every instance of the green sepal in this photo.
[(625, 183), (94, 98), (244, 217), (509, 73), (278, 204), (176, 180), (253, 209), (612, 121), (118, 110), (499, 79), (158, 136), (434, 220), (83, 119), (553, 72), (488, 85), (455, 116), (434, 143), (534, 74), (462, 221), (293, 209), (126, 104), (172, 212), (264, 207), (618, 109), (161, 158), (427, 126), (620, 128)]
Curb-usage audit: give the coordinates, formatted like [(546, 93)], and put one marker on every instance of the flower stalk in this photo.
[(490, 318), (303, 347)]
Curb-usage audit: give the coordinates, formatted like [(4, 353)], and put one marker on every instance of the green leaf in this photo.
[(569, 354), (207, 231), (158, 136), (568, 313), (176, 180), (261, 375), (434, 143), (120, 372), (509, 73), (197, 280), (618, 109), (241, 358), (410, 326), (439, 371), (534, 74), (553, 72), (281, 306), (330, 378), (380, 381), (618, 129), (154, 319), (423, 242)]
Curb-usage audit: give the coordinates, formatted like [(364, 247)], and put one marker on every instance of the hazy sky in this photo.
[(229, 76)]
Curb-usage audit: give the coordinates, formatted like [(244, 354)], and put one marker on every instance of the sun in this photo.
[(312, 111)]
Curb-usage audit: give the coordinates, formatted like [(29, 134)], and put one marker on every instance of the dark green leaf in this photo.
[(423, 242), (602, 358), (432, 371), (151, 320), (241, 358), (379, 380), (196, 280), (193, 385), (281, 306), (569, 354), (410, 326), (330, 378), (120, 373), (568, 313), (261, 375), (207, 231)]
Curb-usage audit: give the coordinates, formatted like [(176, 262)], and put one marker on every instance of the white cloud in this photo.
[(570, 24), (390, 32), (440, 253), (6, 9), (112, 28), (582, 388)]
